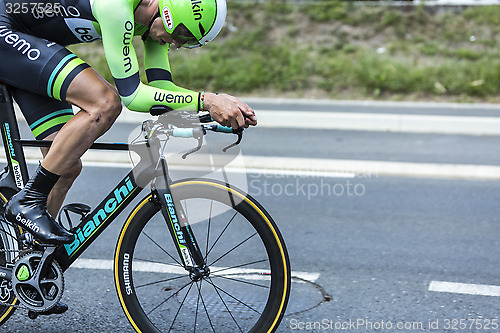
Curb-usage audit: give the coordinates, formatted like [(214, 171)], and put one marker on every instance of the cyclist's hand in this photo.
[(248, 112), (229, 111)]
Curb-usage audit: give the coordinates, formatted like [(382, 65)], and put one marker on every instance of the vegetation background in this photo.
[(343, 50)]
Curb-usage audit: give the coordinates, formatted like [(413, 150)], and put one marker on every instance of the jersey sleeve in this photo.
[(158, 67), (116, 19)]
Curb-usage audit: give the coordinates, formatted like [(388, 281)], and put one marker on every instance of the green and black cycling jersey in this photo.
[(33, 37)]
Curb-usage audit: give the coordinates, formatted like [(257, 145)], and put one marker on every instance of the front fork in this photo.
[(178, 224)]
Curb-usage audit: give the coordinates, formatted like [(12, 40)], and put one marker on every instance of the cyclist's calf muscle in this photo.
[(58, 193)]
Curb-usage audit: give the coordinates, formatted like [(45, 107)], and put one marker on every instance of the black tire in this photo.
[(249, 283), (9, 236)]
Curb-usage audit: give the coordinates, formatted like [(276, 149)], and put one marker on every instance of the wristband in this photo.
[(201, 100)]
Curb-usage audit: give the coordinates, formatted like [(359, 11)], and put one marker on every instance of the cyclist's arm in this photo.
[(116, 19), (158, 67)]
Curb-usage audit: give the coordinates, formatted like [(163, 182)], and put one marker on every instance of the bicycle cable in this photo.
[(130, 152)]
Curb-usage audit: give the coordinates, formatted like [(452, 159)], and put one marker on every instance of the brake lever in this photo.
[(198, 134), (238, 131)]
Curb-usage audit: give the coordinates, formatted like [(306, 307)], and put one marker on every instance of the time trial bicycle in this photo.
[(194, 255)]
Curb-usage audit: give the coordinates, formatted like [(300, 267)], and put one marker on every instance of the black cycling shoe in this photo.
[(28, 209), (59, 308)]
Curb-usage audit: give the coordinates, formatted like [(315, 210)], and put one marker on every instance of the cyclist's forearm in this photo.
[(144, 97), (156, 61)]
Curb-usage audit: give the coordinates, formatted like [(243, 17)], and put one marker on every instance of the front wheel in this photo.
[(248, 286)]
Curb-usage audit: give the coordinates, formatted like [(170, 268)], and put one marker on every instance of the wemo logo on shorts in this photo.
[(20, 44)]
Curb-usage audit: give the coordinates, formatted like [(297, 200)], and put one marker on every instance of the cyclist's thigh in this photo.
[(44, 115), (39, 72), (35, 64), (89, 90)]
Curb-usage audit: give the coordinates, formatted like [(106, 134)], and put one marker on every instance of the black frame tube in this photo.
[(10, 136), (96, 145), (98, 220)]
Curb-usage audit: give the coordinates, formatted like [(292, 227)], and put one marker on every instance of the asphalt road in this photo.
[(379, 244), (376, 250)]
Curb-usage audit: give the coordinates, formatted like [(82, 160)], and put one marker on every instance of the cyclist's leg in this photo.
[(61, 188), (49, 69), (100, 106), (45, 117)]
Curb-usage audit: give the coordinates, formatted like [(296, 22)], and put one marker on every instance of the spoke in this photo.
[(225, 305), (161, 248), (205, 307), (9, 234), (168, 298), (224, 230), (241, 281), (8, 238), (208, 230), (180, 306), (197, 307), (234, 248), (160, 281), (238, 266), (237, 300)]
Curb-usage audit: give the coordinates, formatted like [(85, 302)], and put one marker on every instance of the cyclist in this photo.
[(46, 79)]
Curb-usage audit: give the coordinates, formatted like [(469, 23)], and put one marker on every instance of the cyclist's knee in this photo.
[(106, 109), (99, 100), (111, 105)]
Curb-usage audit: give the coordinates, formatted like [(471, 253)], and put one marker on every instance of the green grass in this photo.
[(336, 49)]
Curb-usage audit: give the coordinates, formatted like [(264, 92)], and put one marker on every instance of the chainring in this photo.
[(38, 296)]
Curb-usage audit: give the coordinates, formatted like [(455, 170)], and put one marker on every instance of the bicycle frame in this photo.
[(94, 223)]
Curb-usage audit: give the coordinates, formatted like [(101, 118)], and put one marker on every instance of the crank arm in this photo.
[(45, 262)]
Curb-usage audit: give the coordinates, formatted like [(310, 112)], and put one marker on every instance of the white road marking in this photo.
[(382, 122), (464, 288), (369, 103), (143, 266), (279, 173), (319, 167)]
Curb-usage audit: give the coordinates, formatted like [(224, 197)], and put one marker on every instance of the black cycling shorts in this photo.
[(40, 72)]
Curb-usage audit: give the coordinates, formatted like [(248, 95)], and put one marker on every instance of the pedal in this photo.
[(76, 208)]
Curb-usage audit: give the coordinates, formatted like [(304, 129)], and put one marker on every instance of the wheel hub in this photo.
[(198, 273)]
